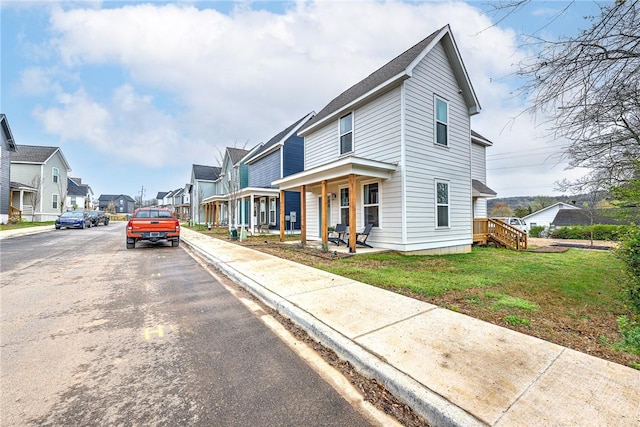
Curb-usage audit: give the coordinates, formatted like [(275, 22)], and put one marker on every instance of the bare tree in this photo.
[(589, 88), (33, 198)]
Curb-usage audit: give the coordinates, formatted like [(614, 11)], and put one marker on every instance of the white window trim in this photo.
[(55, 197), (272, 220), (448, 204), (263, 208), (353, 134), (340, 206), (437, 98), (55, 172), (379, 204)]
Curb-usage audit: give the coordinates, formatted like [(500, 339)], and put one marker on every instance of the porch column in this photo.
[(303, 214), (216, 213), (206, 212), (352, 213), (282, 215), (325, 214), (252, 208)]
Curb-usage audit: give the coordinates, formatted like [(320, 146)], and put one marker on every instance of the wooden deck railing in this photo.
[(493, 230), (15, 214)]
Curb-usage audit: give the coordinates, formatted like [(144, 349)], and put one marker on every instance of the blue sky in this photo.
[(134, 93)]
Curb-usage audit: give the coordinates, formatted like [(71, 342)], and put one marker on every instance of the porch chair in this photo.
[(338, 235), (361, 238)]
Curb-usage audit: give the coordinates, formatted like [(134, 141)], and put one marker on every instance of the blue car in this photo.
[(75, 219)]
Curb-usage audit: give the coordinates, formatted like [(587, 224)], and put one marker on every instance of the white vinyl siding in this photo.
[(478, 163), (426, 161)]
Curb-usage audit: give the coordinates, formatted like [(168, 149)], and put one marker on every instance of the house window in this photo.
[(442, 204), (371, 204), (55, 174), (346, 133), (272, 210), (54, 201), (73, 200), (442, 122), (263, 211), (344, 206)]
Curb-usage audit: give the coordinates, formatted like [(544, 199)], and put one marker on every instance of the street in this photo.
[(95, 334)]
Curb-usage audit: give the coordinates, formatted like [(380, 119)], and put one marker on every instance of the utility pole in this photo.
[(142, 193)]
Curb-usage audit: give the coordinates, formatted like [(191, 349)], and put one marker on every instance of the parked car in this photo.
[(98, 217), (518, 223), (74, 219)]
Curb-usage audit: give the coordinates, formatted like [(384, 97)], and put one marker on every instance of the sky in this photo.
[(135, 93)]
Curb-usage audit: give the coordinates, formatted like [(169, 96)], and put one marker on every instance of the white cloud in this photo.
[(222, 79)]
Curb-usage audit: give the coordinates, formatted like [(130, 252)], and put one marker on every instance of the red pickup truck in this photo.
[(153, 225)]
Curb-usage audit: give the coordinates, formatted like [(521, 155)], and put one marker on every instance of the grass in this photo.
[(571, 298), (24, 224)]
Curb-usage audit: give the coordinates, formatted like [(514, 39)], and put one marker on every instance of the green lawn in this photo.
[(24, 225)]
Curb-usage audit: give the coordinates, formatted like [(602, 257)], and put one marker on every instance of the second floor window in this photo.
[(346, 134), (442, 122), (55, 174)]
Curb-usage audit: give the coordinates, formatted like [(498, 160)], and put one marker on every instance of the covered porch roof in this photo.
[(345, 166)]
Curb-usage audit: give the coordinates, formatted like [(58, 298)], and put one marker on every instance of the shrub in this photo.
[(537, 231), (583, 232), (630, 331), (629, 252)]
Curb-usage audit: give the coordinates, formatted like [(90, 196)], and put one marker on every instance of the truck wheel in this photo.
[(175, 243), (131, 245)]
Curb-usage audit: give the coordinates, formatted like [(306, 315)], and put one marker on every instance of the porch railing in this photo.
[(492, 230)]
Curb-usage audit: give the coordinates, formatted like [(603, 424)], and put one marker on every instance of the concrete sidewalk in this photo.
[(450, 368)]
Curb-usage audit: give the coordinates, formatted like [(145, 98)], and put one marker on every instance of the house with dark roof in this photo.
[(45, 170), (545, 216), (204, 183), (116, 203), (396, 152), (160, 197), (227, 204), (79, 195), (7, 210), (280, 156)]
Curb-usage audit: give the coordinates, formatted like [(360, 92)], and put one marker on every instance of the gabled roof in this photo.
[(206, 173), (178, 192), (8, 135), (161, 194), (36, 154), (280, 138), (73, 189), (109, 197), (566, 217), (560, 205), (392, 73), (236, 154)]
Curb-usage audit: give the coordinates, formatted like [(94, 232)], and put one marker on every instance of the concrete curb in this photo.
[(431, 406)]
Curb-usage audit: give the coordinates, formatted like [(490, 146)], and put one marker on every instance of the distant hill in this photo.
[(536, 201)]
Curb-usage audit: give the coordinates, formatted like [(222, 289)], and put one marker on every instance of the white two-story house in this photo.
[(395, 151)]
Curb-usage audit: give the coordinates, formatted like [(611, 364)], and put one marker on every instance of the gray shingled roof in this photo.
[(161, 194), (481, 188), (73, 189), (7, 132), (480, 138), (276, 139), (32, 153), (387, 71), (206, 173), (236, 154)]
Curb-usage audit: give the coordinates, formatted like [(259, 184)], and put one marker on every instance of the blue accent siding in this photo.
[(291, 203), (264, 171), (293, 155)]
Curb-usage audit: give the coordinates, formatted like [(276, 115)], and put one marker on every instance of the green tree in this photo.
[(522, 211), (500, 209)]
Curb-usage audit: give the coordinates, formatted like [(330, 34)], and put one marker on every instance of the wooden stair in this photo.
[(487, 230)]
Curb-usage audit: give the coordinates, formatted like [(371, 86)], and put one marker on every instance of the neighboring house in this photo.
[(79, 195), (181, 203), (229, 204), (7, 210), (395, 151), (281, 156), (203, 184), (44, 169), (185, 209), (116, 203), (160, 197), (545, 216)]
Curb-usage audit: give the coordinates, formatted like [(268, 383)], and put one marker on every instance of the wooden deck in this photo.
[(487, 230)]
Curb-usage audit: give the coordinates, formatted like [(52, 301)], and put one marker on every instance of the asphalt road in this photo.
[(95, 334)]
